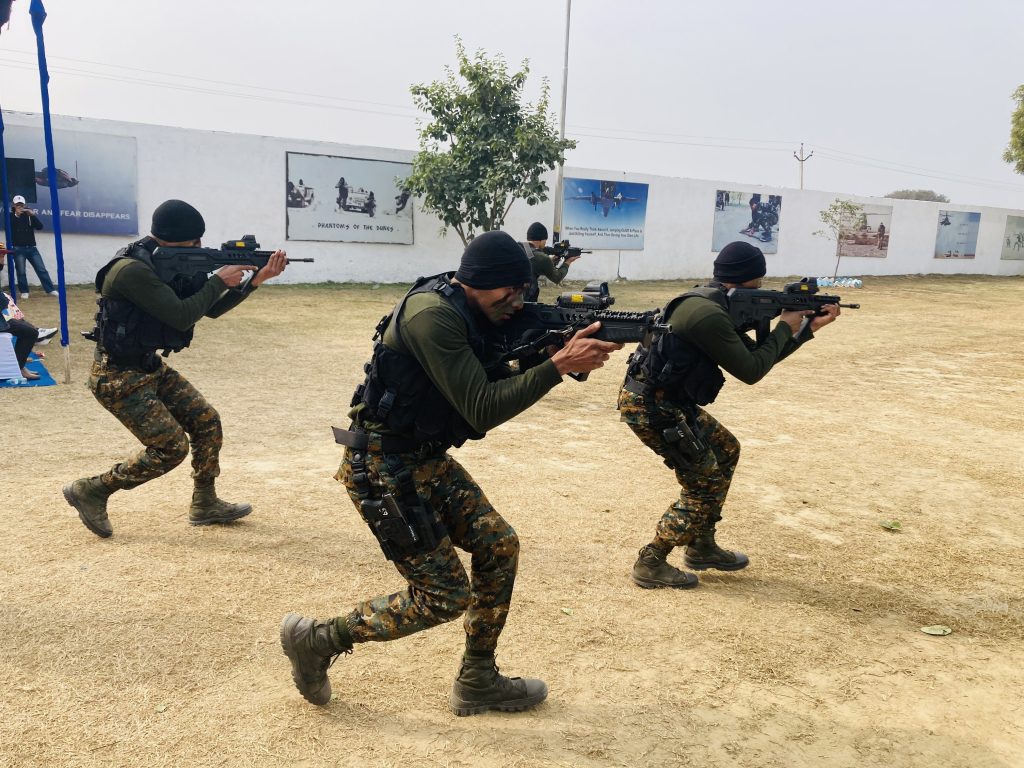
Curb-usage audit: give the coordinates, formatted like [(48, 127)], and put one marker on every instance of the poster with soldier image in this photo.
[(347, 199), (752, 217), (956, 234), (1013, 238), (867, 233)]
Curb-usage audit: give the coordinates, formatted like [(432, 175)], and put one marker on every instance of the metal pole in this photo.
[(38, 14), (8, 255), (801, 158), (557, 228)]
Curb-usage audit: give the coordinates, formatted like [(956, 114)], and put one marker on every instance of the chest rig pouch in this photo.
[(533, 292), (673, 364), (397, 391), (126, 331)]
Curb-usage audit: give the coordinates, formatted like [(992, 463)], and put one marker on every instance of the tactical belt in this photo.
[(360, 441), (637, 387), (145, 361)]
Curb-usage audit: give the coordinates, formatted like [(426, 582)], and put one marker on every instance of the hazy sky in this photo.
[(888, 95)]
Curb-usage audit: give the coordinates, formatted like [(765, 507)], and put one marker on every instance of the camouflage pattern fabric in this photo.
[(439, 589), (704, 484), (160, 409)]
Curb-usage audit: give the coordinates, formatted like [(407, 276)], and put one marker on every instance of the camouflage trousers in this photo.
[(439, 589), (163, 410), (704, 483)]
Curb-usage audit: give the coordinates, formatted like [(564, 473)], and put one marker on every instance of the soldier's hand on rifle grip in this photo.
[(794, 318), (275, 266), (831, 313), (582, 354), (232, 274)]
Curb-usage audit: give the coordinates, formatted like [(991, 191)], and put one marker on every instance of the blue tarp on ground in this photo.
[(34, 364)]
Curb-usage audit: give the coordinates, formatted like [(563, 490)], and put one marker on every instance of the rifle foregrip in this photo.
[(621, 334)]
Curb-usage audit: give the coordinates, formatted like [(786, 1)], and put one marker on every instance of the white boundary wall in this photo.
[(238, 182)]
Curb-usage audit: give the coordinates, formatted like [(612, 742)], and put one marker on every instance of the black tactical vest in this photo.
[(397, 391), (533, 292), (125, 330), (673, 364)]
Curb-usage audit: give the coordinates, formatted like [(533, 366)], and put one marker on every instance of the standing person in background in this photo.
[(541, 263), (24, 225)]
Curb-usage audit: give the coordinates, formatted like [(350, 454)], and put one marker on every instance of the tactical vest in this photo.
[(675, 365), (398, 393), (125, 330), (533, 292)]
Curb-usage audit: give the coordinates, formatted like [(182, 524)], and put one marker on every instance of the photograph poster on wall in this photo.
[(867, 233), (604, 215), (1013, 238), (956, 234), (95, 175), (347, 199), (751, 217)]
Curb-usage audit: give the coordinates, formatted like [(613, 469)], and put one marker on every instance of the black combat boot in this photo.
[(312, 647), (703, 553), (480, 687), (207, 509), (89, 496), (652, 571)]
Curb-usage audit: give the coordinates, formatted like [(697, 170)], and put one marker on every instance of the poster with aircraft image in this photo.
[(956, 234), (95, 176), (604, 215)]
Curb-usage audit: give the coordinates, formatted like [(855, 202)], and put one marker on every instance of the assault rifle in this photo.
[(562, 250), (173, 262), (755, 308), (533, 329)]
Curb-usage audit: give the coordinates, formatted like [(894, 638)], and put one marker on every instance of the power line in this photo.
[(229, 83), (208, 91), (678, 135), (631, 135), (676, 143)]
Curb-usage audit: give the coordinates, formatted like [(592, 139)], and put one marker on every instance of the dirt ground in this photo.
[(159, 646)]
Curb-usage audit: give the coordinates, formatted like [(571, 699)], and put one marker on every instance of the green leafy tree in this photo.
[(483, 147), (1014, 153), (839, 218), (918, 194)]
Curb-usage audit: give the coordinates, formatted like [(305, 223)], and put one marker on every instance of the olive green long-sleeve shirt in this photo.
[(435, 334), (543, 265), (707, 325), (134, 281)]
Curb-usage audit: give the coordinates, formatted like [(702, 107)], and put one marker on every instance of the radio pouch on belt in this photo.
[(683, 447)]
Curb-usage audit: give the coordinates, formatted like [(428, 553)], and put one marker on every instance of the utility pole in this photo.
[(802, 159), (557, 228)]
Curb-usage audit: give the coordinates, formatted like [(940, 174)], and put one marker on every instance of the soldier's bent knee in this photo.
[(447, 600), (173, 451)]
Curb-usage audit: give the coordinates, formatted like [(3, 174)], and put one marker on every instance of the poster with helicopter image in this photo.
[(95, 174)]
